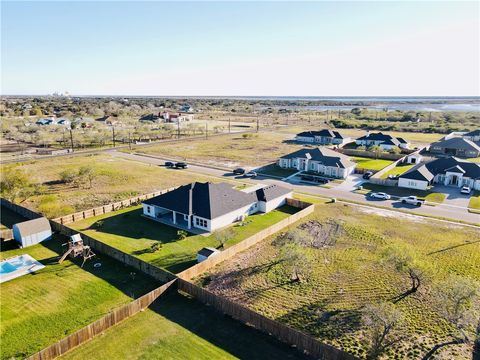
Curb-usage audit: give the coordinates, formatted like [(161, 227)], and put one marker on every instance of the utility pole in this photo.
[(206, 130), (178, 129), (229, 131), (338, 113), (430, 117), (258, 122), (130, 140), (113, 135), (71, 138), (327, 114)]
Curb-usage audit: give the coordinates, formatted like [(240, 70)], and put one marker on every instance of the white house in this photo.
[(384, 141), (208, 207), (322, 137), (322, 161), (445, 171)]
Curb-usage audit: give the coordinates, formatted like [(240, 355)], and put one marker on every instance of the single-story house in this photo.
[(322, 137), (445, 171), (208, 206), (205, 253), (32, 232), (322, 161), (384, 141), (473, 136), (455, 146)]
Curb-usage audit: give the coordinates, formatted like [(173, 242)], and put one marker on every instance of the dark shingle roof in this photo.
[(209, 200), (325, 156), (385, 138), (207, 251), (323, 132), (271, 192), (473, 133), (457, 143), (440, 166)]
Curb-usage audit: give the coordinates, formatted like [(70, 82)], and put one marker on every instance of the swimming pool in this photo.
[(16, 266)]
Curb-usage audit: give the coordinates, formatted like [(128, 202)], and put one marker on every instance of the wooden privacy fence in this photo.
[(67, 219), (6, 234), (90, 331), (200, 268), (278, 330), (130, 260), (26, 213)]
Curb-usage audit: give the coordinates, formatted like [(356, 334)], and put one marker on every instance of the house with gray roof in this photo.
[(455, 146), (449, 171), (322, 161), (207, 206), (322, 137), (384, 141), (473, 136)]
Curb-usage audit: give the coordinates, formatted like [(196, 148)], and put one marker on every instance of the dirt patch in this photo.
[(323, 234)]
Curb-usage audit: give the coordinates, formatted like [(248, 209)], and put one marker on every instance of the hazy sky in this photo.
[(241, 48)]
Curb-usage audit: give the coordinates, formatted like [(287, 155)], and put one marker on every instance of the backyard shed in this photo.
[(32, 232), (205, 253)]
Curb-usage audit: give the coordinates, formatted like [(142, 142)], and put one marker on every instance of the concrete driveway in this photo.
[(454, 197), (351, 182)]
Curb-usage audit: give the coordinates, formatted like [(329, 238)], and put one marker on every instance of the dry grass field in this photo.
[(349, 270), (115, 179), (230, 150)]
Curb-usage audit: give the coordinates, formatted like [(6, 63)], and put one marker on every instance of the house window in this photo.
[(412, 183), (201, 222)]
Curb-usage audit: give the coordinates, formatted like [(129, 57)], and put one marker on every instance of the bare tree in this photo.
[(223, 236), (381, 321), (457, 302), (296, 262), (87, 174)]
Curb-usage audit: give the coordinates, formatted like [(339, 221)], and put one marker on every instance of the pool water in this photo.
[(18, 266)]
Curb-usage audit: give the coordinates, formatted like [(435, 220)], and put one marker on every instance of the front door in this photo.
[(454, 180)]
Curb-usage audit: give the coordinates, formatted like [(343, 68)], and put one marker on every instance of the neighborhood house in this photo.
[(456, 146), (321, 161), (384, 141), (209, 206), (322, 137), (473, 136), (445, 171)]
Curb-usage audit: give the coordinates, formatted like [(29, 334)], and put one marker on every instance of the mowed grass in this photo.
[(351, 273), (39, 309), (116, 179), (474, 202), (371, 164), (397, 170), (229, 150), (128, 231), (178, 327), (275, 170)]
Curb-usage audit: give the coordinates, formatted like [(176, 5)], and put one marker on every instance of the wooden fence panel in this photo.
[(280, 331), (90, 331)]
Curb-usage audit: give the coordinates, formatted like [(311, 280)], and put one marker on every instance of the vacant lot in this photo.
[(371, 164), (115, 179), (177, 327), (41, 308), (128, 231), (347, 267), (229, 151)]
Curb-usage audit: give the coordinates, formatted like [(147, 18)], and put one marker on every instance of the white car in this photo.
[(251, 174), (466, 190), (380, 195)]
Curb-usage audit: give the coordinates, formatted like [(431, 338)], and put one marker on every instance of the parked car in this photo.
[(466, 190), (169, 164), (307, 178), (322, 180), (181, 165), (412, 200), (380, 195), (367, 175), (251, 174), (239, 171)]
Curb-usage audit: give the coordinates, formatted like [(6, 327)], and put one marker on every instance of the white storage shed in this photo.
[(32, 232)]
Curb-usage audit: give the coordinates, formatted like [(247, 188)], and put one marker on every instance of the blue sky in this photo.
[(241, 48)]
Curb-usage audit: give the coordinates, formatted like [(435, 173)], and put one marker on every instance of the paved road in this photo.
[(443, 210)]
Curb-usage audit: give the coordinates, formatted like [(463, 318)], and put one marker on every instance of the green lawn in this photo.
[(128, 231), (39, 309), (435, 198), (351, 272), (275, 170), (9, 217), (178, 327), (371, 164), (426, 195), (397, 170), (474, 203)]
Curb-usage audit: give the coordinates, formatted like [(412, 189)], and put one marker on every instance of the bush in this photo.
[(68, 176), (182, 234)]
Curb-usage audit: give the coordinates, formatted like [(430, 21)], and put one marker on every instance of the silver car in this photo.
[(380, 195)]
